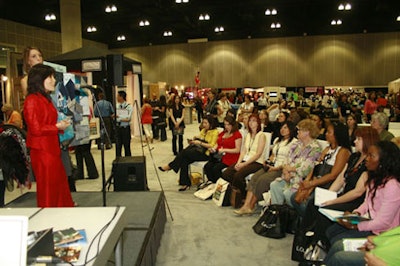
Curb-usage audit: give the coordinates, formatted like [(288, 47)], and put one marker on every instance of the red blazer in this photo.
[(41, 117)]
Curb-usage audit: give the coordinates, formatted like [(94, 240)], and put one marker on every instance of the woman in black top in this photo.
[(162, 124), (353, 180), (176, 123)]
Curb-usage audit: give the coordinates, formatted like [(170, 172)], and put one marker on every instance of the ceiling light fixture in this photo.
[(91, 29), (276, 25), (121, 38), (398, 18), (219, 29), (50, 17), (346, 6), (167, 33), (111, 8), (181, 1), (272, 12), (143, 23), (336, 22), (204, 17)]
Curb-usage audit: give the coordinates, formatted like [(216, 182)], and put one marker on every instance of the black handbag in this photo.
[(300, 243), (273, 222), (215, 157)]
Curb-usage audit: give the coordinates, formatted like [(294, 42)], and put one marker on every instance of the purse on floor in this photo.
[(273, 222)]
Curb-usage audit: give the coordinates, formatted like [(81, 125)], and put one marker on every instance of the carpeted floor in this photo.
[(201, 233)]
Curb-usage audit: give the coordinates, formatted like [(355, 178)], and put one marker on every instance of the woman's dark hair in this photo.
[(36, 77), (212, 120), (369, 137), (341, 135), (163, 100), (231, 112), (247, 96), (292, 130), (322, 119), (232, 121), (258, 121), (286, 114), (389, 166), (173, 104)]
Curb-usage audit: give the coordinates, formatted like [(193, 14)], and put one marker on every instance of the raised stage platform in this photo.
[(146, 217)]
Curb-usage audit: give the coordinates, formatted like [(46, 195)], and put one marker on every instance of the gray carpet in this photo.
[(201, 233)]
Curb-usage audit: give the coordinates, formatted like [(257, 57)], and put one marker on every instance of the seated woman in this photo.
[(198, 150), (272, 169), (276, 126), (320, 121), (331, 163), (251, 156), (381, 203), (353, 179), (300, 162), (228, 146), (351, 123)]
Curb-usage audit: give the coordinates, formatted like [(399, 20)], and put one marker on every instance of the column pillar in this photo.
[(71, 26)]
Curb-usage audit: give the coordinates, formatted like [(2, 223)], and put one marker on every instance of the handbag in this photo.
[(301, 242), (198, 148), (236, 198), (319, 170), (272, 222), (215, 157), (206, 192), (177, 131), (221, 194)]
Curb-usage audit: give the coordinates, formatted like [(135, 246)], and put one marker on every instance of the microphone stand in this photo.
[(103, 133)]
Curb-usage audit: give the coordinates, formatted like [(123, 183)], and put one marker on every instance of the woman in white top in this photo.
[(223, 107), (247, 107), (272, 168), (251, 157), (335, 155)]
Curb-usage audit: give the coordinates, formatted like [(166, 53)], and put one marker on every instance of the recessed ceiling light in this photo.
[(398, 18), (50, 17), (347, 6)]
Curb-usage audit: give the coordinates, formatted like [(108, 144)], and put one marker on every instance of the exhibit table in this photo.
[(107, 222)]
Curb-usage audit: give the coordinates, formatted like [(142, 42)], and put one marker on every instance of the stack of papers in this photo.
[(334, 215), (323, 195)]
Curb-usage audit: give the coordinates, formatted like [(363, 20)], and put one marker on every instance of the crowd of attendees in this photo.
[(339, 142)]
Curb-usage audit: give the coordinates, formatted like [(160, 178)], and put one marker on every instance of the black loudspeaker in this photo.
[(115, 72), (130, 173)]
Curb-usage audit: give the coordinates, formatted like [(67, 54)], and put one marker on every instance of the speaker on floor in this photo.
[(130, 173)]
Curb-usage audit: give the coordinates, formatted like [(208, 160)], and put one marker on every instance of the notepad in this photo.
[(353, 244), (323, 195), (331, 214)]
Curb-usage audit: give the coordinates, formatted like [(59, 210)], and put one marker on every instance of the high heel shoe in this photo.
[(162, 169), (184, 188)]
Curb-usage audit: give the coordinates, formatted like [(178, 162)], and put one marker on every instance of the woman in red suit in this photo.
[(42, 139)]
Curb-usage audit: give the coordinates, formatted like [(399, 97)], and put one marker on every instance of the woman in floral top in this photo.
[(302, 157)]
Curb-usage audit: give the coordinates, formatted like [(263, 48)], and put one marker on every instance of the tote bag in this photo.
[(272, 222), (221, 192)]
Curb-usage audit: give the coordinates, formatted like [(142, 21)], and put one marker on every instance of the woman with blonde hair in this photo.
[(302, 157)]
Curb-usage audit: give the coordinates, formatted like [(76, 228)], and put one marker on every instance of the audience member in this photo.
[(301, 160), (198, 150), (261, 180), (252, 156), (176, 123), (13, 117), (380, 121), (381, 203), (331, 163), (228, 147)]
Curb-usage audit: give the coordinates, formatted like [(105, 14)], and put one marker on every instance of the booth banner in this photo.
[(75, 103)]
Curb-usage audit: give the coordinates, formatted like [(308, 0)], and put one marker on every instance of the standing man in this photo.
[(105, 109), (124, 113)]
